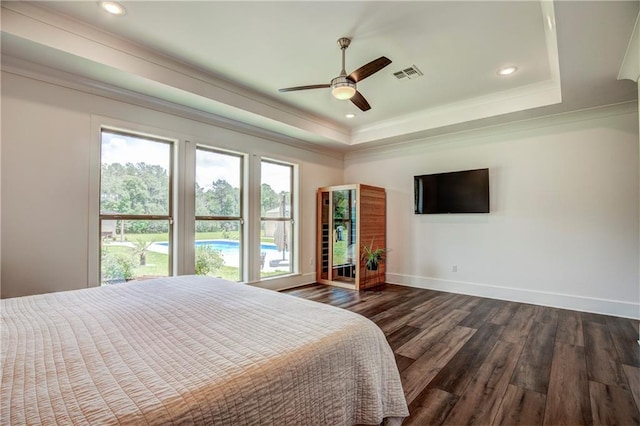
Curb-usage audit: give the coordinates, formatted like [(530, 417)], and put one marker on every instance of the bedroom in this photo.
[(558, 235)]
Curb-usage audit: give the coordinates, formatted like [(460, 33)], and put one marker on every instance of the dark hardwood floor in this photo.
[(470, 360)]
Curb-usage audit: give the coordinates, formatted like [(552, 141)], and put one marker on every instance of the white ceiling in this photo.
[(230, 59)]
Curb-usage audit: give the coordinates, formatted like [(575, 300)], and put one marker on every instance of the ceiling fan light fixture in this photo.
[(342, 88)]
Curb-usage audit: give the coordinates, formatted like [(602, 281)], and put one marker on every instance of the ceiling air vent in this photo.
[(408, 73)]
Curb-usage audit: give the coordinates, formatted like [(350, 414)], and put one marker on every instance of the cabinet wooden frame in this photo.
[(369, 226)]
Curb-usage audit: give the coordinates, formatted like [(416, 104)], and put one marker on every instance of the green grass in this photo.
[(230, 273), (273, 273), (158, 263)]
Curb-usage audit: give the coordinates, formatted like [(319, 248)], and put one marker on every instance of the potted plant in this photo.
[(373, 256)]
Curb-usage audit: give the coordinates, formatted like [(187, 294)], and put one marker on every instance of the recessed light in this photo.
[(350, 115), (507, 70), (112, 7)]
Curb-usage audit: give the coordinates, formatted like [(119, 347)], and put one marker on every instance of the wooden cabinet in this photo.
[(348, 217)]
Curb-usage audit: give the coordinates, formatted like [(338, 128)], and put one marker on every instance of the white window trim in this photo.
[(98, 123), (295, 206), (191, 202), (184, 202)]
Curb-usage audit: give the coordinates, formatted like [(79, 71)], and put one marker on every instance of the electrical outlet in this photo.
[(454, 268)]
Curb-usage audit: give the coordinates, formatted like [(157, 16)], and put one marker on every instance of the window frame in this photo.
[(170, 208), (293, 258), (183, 203), (242, 158)]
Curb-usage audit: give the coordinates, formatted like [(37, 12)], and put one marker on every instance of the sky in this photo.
[(210, 165)]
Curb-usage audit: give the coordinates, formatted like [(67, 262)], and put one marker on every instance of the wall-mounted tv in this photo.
[(455, 192)]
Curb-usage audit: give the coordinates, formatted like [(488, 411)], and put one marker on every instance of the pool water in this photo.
[(227, 246)]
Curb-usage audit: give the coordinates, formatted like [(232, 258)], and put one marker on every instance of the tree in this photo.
[(223, 199), (269, 199), (140, 250), (136, 189)]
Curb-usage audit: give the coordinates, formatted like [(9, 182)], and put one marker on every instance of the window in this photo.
[(136, 207), (218, 214), (168, 206), (276, 224)]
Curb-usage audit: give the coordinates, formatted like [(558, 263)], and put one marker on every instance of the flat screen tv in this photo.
[(455, 192)]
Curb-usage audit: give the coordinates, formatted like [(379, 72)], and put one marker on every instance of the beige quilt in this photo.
[(192, 350)]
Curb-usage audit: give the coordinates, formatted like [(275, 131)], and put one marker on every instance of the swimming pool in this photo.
[(226, 246)]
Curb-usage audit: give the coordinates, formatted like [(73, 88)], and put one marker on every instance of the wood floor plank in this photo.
[(430, 408), (418, 297), (534, 366), (612, 406), (467, 303), (570, 328), (424, 319), (415, 347), (480, 313), (458, 372), (398, 316), (603, 364), (401, 336), (547, 315), (393, 319), (568, 397), (376, 304), (504, 314), (590, 317), (520, 407), (418, 375), (625, 339), (403, 362), (518, 328), (437, 301), (480, 401), (633, 378)]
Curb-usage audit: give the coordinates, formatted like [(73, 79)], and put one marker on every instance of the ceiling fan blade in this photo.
[(370, 68), (359, 101), (314, 86)]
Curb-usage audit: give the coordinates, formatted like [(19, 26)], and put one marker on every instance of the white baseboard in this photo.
[(286, 282), (565, 301)]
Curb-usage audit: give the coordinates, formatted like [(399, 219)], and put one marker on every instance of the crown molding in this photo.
[(532, 96), (455, 139), (226, 99), (630, 68), (147, 72), (26, 69), (536, 95)]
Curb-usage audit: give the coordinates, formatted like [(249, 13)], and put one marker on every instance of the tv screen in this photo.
[(455, 192)]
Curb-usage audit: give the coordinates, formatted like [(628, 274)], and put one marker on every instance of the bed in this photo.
[(192, 350)]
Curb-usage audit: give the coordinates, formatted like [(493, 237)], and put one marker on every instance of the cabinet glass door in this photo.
[(343, 235)]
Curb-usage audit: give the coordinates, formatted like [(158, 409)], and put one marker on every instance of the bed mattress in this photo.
[(192, 350)]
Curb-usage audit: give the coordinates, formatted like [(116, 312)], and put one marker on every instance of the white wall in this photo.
[(563, 228), (46, 147), (564, 196)]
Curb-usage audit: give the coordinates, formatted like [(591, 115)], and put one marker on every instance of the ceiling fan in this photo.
[(344, 86)]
